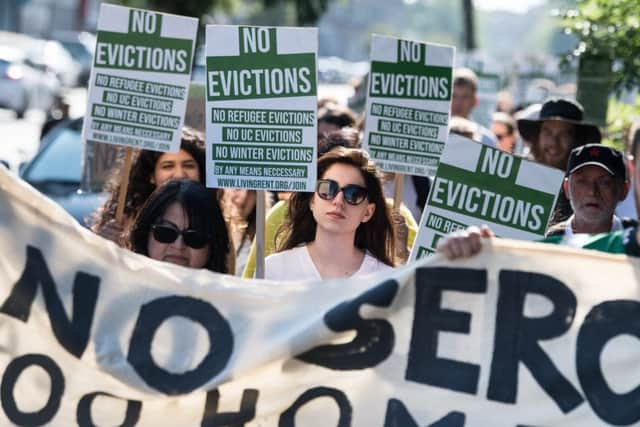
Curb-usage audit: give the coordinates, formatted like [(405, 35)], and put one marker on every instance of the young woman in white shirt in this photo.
[(342, 229)]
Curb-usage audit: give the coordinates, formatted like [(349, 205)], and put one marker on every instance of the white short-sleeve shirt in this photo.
[(296, 264)]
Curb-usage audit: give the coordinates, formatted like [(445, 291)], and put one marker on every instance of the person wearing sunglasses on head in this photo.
[(342, 229), (182, 223)]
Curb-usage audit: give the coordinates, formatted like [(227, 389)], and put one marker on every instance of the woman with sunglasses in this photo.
[(341, 230), (182, 223), (149, 169)]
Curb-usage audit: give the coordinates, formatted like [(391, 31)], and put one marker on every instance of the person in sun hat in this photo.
[(558, 129), (596, 181)]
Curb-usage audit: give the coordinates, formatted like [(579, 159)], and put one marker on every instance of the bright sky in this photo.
[(519, 6)]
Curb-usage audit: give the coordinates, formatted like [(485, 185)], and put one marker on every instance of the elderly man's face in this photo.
[(594, 194), (556, 140)]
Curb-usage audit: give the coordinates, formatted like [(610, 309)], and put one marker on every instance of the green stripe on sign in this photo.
[(252, 153), (410, 81), (407, 113), (491, 199), (139, 131), (250, 116), (260, 170), (262, 135), (410, 145), (260, 76), (498, 164), (128, 115), (140, 86), (442, 224), (134, 51), (399, 156)]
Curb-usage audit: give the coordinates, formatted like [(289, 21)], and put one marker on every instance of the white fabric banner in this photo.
[(523, 335)]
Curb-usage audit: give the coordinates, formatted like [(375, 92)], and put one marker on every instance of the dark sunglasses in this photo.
[(328, 189), (165, 233)]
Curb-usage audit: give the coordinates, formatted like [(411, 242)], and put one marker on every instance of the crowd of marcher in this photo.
[(348, 226)]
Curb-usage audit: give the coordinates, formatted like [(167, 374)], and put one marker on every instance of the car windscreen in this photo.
[(59, 160)]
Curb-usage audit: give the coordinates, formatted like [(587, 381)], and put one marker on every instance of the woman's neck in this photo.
[(335, 255)]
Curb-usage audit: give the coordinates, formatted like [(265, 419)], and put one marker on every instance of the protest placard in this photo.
[(524, 334), (261, 107), (476, 184), (408, 104), (140, 78)]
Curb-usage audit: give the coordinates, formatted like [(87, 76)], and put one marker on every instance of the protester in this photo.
[(333, 116), (464, 99), (596, 182), (149, 169), (503, 127), (341, 230), (182, 223), (466, 243), (558, 129), (405, 227)]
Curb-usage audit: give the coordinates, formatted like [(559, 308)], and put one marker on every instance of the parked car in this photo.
[(22, 86), (52, 56), (81, 46), (56, 171)]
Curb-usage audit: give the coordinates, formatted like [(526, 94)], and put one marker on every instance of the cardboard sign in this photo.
[(522, 335), (261, 107), (140, 78), (408, 104), (476, 185)]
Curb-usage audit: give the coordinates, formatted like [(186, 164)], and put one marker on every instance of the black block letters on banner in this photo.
[(374, 338), (517, 336), (604, 322), (212, 418), (152, 315), (424, 366), (9, 379), (398, 416), (83, 413), (287, 419), (72, 335)]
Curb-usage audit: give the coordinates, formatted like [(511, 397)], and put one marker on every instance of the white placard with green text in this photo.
[(261, 107), (476, 184), (140, 78), (408, 104)]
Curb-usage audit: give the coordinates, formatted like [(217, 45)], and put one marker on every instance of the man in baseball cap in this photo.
[(596, 182)]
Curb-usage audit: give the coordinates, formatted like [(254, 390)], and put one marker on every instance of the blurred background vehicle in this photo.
[(46, 55), (23, 86), (56, 171), (81, 46)]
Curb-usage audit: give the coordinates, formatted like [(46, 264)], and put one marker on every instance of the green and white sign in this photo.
[(408, 104), (261, 107), (476, 184), (140, 78)]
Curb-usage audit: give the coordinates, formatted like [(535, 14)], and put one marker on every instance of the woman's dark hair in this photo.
[(202, 210), (375, 235), (345, 137), (336, 114), (140, 186)]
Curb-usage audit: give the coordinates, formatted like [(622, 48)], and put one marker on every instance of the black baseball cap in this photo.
[(599, 155)]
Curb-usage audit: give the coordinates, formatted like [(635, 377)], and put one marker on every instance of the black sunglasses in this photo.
[(328, 189), (165, 233)]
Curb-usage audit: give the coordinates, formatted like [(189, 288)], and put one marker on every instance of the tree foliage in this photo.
[(609, 28)]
